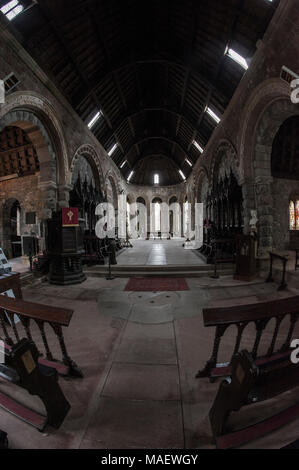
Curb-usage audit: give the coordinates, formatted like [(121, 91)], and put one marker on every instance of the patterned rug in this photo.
[(156, 284)]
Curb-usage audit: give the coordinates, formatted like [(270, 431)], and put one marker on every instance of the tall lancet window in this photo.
[(292, 216), (157, 217)]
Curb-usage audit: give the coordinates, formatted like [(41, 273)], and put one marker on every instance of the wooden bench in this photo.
[(42, 315), (23, 369), (241, 316), (251, 383)]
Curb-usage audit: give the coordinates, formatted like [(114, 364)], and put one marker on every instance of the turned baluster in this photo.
[(8, 339), (14, 328), (241, 327), (41, 326), (260, 326), (212, 362), (26, 325), (274, 338), (293, 321), (73, 368)]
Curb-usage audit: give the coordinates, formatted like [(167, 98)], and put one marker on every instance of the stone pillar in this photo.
[(264, 203), (164, 220), (199, 215), (48, 191), (248, 190), (152, 220), (64, 195)]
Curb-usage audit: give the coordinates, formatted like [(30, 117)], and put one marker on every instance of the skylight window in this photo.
[(156, 179), (213, 115), (189, 163), (199, 148), (130, 176), (123, 164), (12, 9), (237, 58), (182, 175), (112, 150), (94, 120)]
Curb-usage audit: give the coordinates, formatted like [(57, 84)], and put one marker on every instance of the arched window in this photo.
[(294, 214), (157, 216)]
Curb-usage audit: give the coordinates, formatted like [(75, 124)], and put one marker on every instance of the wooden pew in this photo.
[(241, 316), (251, 383), (3, 440), (42, 315), (22, 368)]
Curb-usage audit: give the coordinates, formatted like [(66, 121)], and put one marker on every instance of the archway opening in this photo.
[(20, 181), (285, 173)]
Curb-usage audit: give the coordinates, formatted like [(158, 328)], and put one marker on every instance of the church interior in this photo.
[(149, 224)]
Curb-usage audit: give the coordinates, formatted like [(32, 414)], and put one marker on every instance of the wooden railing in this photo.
[(42, 315), (284, 259), (241, 316)]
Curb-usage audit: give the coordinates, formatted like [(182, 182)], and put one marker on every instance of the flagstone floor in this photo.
[(158, 252), (139, 352)]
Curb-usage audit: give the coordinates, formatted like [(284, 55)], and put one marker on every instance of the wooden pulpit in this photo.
[(65, 248), (245, 258)]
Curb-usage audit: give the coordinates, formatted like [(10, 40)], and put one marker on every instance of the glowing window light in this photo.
[(9, 6), (156, 179), (94, 120), (12, 9), (237, 58), (182, 175), (112, 150), (213, 115), (130, 176), (199, 148)]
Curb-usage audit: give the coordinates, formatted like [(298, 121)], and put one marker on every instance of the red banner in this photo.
[(70, 217)]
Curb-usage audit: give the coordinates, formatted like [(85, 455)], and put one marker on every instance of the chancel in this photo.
[(149, 225)]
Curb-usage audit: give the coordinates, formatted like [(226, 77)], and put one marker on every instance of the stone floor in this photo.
[(139, 353), (158, 252)]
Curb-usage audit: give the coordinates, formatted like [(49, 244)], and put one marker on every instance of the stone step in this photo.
[(182, 271), (159, 268), (26, 278)]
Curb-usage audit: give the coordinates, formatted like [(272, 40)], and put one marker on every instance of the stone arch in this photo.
[(88, 152), (224, 160), (202, 185), (114, 190), (6, 224), (271, 222), (29, 110), (266, 94)]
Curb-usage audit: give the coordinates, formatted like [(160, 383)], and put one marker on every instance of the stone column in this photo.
[(64, 195), (164, 220), (48, 191), (264, 203), (152, 220), (249, 204)]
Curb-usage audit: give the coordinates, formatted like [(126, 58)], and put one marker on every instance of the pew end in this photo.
[(23, 369)]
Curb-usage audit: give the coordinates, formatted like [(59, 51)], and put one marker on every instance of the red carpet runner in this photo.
[(156, 284)]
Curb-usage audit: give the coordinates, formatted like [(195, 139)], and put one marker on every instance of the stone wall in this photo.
[(26, 191), (242, 140)]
